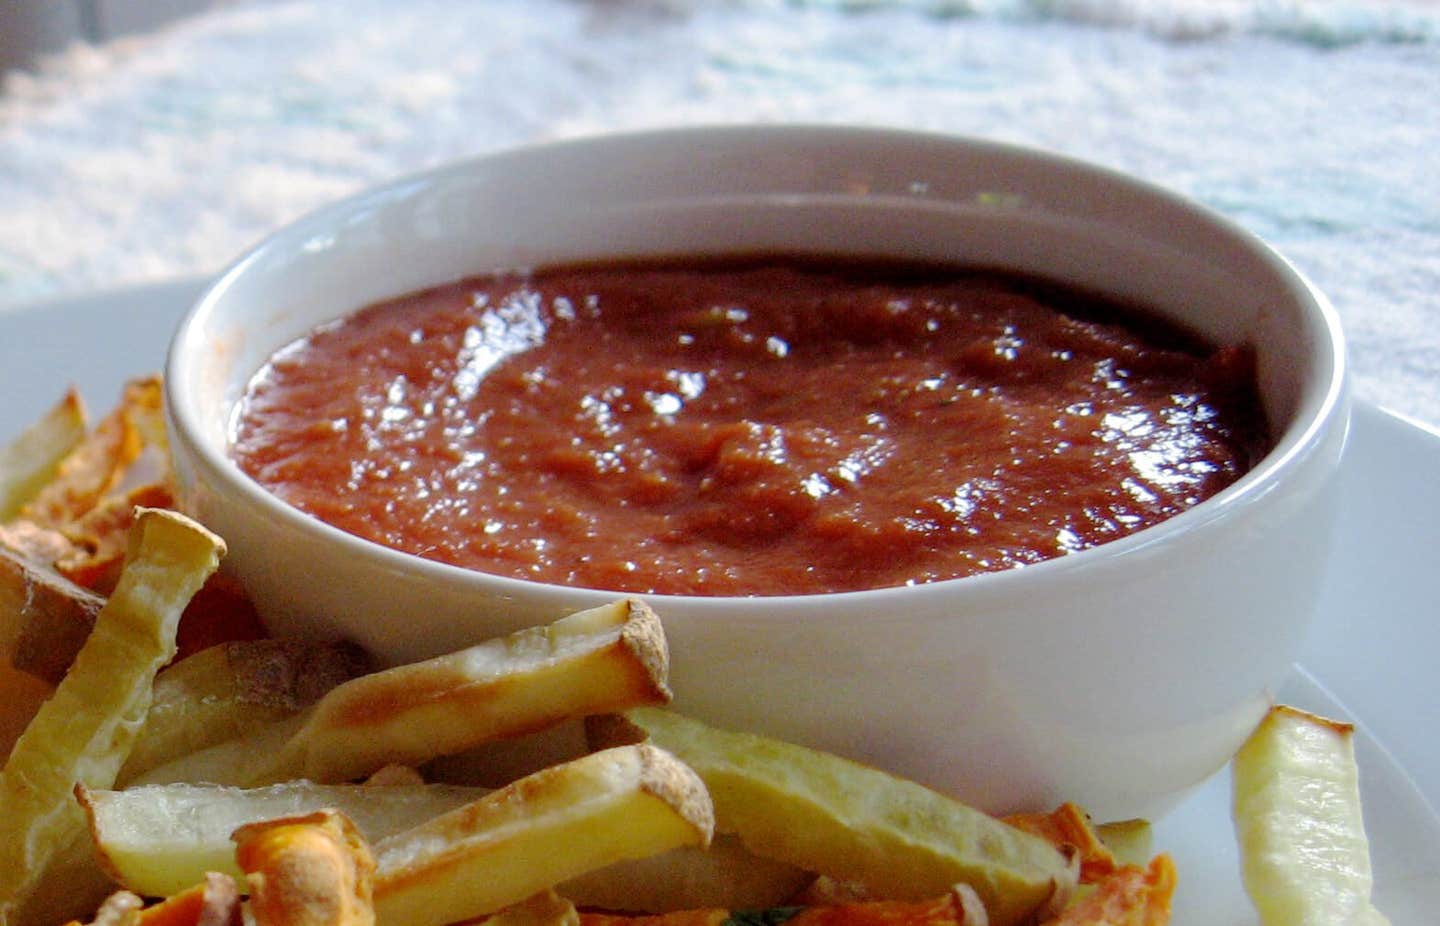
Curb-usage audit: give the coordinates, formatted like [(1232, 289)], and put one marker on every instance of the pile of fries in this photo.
[(534, 779)]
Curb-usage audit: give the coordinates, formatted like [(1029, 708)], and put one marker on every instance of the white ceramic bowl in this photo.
[(1118, 676)]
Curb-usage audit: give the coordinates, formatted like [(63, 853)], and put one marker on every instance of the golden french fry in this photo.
[(29, 461), (499, 762), (588, 662), (232, 689), (1303, 850), (123, 463), (313, 870), (98, 537), (852, 822), (157, 839), (527, 681), (83, 733), (544, 829), (95, 466), (725, 876), (143, 401)]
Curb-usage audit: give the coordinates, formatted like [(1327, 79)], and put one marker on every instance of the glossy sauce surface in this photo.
[(747, 428)]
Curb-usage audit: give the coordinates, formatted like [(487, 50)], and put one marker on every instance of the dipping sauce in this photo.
[(747, 427)]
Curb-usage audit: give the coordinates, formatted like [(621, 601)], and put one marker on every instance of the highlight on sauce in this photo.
[(761, 426)]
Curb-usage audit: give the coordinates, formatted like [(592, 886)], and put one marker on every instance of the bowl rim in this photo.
[(1314, 416)]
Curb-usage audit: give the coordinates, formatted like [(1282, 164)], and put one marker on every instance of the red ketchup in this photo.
[(748, 427)]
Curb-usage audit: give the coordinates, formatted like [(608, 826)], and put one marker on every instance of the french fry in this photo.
[(98, 537), (1103, 849), (21, 694), (546, 908), (119, 909), (521, 683), (313, 870), (392, 775), (213, 901), (725, 875), (144, 402), (29, 461), (1131, 842), (852, 822), (249, 761), (1069, 826), (499, 762), (233, 689), (83, 733), (825, 891), (77, 521), (1128, 896), (97, 465), (1304, 854), (36, 544), (158, 839), (44, 617), (600, 659), (546, 828)]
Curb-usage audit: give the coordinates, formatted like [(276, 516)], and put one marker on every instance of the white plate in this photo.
[(1370, 656)]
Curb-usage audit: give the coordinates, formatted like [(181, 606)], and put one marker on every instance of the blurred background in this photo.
[(32, 28), (155, 139)]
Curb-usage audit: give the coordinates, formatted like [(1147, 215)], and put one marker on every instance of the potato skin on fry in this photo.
[(232, 689), (44, 617)]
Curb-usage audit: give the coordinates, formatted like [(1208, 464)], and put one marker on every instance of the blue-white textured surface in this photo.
[(1315, 124)]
